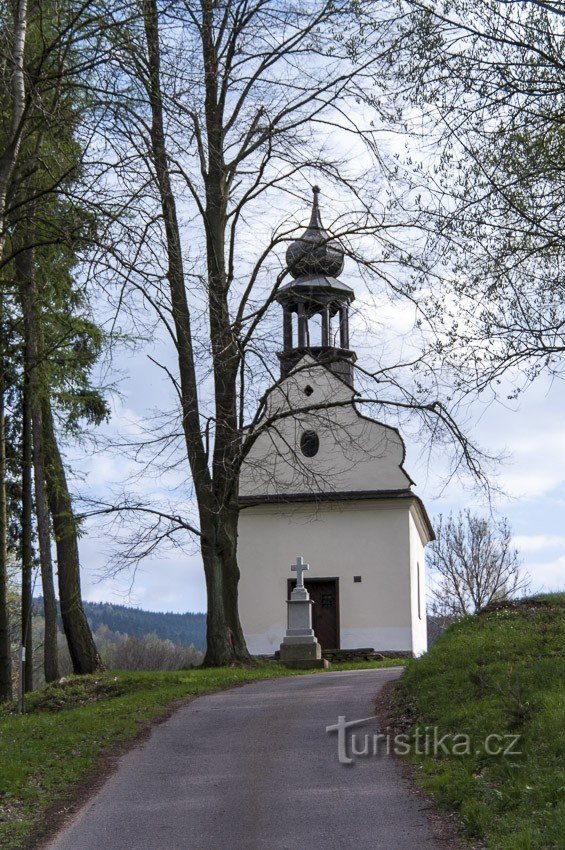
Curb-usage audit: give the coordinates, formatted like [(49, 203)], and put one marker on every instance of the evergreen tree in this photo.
[(43, 234)]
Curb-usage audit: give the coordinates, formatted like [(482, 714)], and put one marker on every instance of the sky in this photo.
[(528, 432)]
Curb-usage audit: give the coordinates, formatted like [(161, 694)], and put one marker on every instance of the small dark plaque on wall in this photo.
[(356, 578)]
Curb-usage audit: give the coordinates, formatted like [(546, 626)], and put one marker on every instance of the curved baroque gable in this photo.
[(332, 448)]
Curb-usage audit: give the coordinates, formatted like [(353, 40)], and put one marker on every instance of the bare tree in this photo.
[(484, 81), (472, 563), (213, 115), (124, 652)]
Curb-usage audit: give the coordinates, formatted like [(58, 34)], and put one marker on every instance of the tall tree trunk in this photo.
[(52, 496), (50, 651), (219, 650), (218, 515), (9, 155), (26, 544), (5, 647), (227, 646), (225, 350), (8, 159), (225, 642), (224, 637), (82, 648), (25, 268)]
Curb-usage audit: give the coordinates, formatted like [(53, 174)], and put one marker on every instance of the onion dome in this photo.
[(315, 253)]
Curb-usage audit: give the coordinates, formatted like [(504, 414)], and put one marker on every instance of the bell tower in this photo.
[(318, 300)]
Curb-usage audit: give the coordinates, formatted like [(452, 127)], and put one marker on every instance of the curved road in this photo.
[(253, 769)]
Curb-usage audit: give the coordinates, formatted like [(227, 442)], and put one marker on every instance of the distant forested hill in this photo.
[(184, 629)]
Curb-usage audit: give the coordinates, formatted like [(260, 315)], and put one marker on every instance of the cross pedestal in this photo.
[(300, 647)]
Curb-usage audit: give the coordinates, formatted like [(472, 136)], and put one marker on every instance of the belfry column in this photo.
[(326, 326), (302, 326), (343, 327), (287, 329)]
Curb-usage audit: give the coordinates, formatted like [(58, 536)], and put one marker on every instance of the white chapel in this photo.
[(325, 482)]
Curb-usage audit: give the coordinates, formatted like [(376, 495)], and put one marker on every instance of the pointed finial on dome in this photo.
[(314, 253), (315, 220)]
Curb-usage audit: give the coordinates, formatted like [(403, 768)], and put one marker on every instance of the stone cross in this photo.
[(299, 568), (300, 647)]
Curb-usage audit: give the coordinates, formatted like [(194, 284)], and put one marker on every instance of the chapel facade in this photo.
[(327, 483)]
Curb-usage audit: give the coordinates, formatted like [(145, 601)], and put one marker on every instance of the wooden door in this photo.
[(324, 593)]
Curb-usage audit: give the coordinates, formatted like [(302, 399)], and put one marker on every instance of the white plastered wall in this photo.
[(342, 540), (380, 539), (418, 539)]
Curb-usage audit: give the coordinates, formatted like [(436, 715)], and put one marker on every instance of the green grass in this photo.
[(500, 672), (70, 726)]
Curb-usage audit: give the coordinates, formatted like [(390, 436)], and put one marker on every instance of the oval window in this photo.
[(309, 443)]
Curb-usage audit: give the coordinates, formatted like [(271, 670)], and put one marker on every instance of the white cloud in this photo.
[(529, 434), (538, 461), (548, 576), (170, 582), (538, 542)]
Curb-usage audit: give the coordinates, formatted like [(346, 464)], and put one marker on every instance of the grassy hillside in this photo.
[(501, 672), (183, 629)]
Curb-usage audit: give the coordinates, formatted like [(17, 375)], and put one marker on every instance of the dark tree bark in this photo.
[(28, 295), (26, 543), (226, 357), (50, 656), (84, 655), (225, 643), (9, 154), (218, 513), (5, 655)]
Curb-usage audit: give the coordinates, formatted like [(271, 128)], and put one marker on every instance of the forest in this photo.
[(182, 629)]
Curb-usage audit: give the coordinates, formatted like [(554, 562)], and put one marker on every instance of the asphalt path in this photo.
[(253, 768)]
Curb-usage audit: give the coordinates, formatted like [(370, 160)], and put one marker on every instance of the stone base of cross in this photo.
[(300, 647)]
